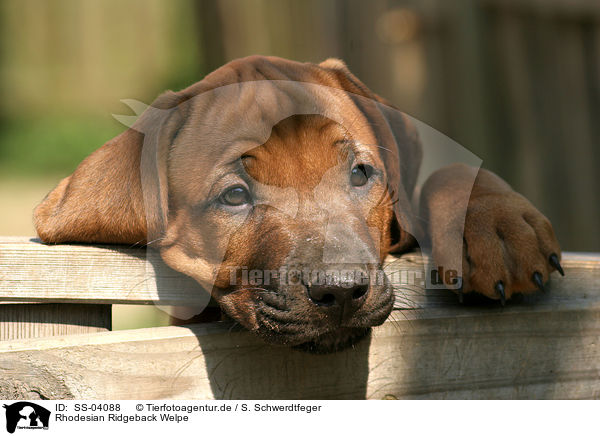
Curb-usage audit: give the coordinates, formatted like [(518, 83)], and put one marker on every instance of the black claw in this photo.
[(500, 291), (556, 264), (537, 279)]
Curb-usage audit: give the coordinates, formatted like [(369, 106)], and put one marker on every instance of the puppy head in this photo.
[(280, 186)]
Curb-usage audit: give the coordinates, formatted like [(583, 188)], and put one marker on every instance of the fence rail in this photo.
[(543, 346)]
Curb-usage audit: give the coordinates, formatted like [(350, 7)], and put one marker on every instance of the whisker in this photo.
[(378, 146), (136, 243), (155, 240), (186, 365), (235, 324)]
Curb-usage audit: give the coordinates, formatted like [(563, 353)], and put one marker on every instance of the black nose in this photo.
[(329, 295)]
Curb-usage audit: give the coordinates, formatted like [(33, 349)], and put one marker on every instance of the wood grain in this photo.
[(31, 271), (505, 354), (542, 346), (18, 321)]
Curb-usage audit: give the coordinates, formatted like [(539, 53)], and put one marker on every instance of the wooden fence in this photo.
[(56, 340)]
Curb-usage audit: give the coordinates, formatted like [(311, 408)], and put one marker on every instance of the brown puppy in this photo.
[(300, 173)]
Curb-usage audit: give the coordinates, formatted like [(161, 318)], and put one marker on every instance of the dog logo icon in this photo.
[(26, 415)]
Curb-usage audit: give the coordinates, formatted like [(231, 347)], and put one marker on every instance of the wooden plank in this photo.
[(31, 271), (547, 352), (544, 346), (18, 321)]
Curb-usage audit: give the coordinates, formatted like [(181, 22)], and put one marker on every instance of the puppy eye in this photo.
[(236, 196), (360, 174)]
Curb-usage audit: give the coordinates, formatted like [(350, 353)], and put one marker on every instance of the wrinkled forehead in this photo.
[(226, 122)]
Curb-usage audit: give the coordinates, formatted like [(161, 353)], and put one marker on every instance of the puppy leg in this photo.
[(503, 246)]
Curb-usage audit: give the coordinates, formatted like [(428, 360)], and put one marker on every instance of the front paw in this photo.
[(507, 246)]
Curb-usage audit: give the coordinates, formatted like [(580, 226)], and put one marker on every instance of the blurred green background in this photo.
[(515, 81)]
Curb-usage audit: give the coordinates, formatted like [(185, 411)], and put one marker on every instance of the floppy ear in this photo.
[(105, 200), (402, 163), (402, 170)]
